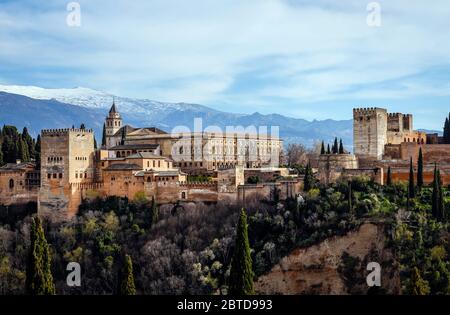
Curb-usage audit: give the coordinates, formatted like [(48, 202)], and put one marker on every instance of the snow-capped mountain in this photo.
[(39, 106), (146, 109)]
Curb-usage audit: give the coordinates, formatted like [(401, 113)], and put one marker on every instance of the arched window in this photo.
[(183, 195), (11, 183), (181, 150)]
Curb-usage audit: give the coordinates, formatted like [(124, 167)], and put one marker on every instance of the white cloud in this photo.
[(194, 51)]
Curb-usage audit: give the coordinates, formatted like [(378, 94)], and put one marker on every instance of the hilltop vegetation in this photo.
[(187, 249)]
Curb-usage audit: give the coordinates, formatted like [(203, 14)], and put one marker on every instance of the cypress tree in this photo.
[(241, 274), (350, 205), (440, 206), (322, 149), (127, 287), (308, 181), (341, 147), (1, 157), (335, 146), (95, 143), (328, 149), (104, 136), (447, 130), (29, 141), (39, 279), (435, 195), (37, 150), (420, 169), (389, 177), (411, 187)]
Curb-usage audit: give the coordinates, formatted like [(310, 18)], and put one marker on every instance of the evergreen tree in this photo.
[(104, 136), (241, 274), (37, 151), (22, 153), (1, 157), (39, 279), (29, 142), (350, 205), (420, 169), (322, 149), (308, 181), (328, 149), (341, 147), (447, 130), (127, 286), (154, 211), (419, 286), (389, 177), (437, 197), (95, 143), (440, 206), (335, 147), (411, 187)]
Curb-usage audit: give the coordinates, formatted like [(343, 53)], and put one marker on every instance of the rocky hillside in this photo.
[(335, 266)]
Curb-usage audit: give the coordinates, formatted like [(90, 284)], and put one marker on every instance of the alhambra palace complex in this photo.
[(153, 163)]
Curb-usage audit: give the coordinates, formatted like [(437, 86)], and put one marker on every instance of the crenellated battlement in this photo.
[(367, 111), (53, 132), (395, 115)]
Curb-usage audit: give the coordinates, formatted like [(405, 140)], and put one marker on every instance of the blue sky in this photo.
[(301, 58)]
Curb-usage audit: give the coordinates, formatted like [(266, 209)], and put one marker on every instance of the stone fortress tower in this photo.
[(113, 124), (374, 129), (370, 127), (67, 159)]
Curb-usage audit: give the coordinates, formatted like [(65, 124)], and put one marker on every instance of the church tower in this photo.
[(113, 124)]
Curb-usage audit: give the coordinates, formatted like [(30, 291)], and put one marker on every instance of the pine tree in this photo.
[(411, 187), (389, 177), (420, 169), (95, 143), (127, 286), (419, 286), (241, 274), (341, 147), (154, 211), (104, 136), (39, 279), (322, 149), (328, 149)]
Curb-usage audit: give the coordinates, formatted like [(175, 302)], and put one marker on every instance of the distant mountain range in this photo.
[(39, 108)]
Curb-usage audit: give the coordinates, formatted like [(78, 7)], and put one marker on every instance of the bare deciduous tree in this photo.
[(296, 154)]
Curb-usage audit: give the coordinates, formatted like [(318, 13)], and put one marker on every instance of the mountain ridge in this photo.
[(91, 104)]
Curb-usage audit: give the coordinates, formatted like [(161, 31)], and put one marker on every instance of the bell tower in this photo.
[(113, 124)]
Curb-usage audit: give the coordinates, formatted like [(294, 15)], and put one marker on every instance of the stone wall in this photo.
[(331, 166)]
